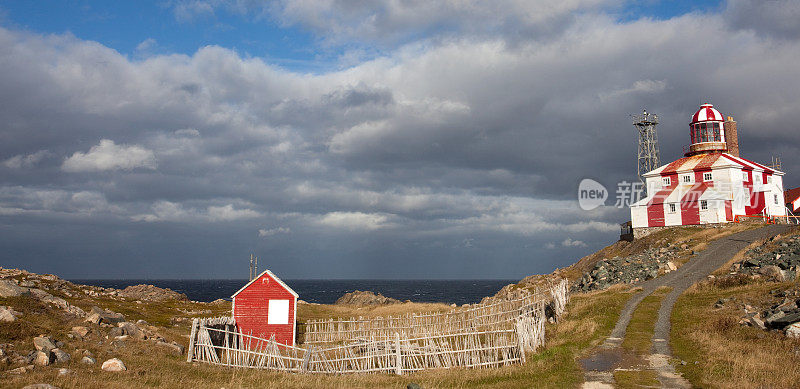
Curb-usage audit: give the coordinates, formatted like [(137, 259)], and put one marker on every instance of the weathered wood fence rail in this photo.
[(489, 335)]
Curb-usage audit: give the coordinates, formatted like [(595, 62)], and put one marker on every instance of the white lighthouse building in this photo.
[(711, 184)]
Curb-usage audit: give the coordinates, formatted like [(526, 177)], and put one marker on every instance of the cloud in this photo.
[(273, 231), (167, 211), (777, 18), (355, 220), (569, 242), (25, 161), (109, 156), (468, 129)]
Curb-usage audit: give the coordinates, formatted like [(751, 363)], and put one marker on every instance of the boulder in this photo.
[(60, 355), (41, 358), (772, 272), (152, 293), (113, 364), (793, 330), (6, 315), (44, 343), (784, 321), (365, 298), (40, 386), (116, 331), (9, 289), (81, 331), (132, 329), (88, 360), (93, 318), (106, 316), (62, 371), (174, 348)]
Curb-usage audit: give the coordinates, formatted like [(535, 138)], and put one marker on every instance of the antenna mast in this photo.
[(645, 124)]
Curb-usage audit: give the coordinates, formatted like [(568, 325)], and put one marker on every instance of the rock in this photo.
[(171, 347), (786, 320), (41, 358), (132, 329), (773, 272), (60, 355), (9, 289), (88, 360), (6, 315), (107, 316), (793, 330), (40, 386), (43, 343), (671, 266), (413, 386), (93, 318), (365, 298), (80, 331), (115, 332), (62, 371), (152, 293), (113, 364), (21, 370)]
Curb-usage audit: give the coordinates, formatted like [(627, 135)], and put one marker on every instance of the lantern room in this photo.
[(707, 131)]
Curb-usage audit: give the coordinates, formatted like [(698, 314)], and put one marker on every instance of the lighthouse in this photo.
[(711, 183)]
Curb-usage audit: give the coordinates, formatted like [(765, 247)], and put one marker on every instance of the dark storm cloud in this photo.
[(445, 153)]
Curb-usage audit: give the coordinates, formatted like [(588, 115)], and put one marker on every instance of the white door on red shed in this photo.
[(278, 312)]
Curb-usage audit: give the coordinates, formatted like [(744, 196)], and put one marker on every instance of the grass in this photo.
[(589, 319), (639, 340), (639, 334), (726, 353)]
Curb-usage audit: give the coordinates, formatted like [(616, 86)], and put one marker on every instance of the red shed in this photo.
[(266, 306)]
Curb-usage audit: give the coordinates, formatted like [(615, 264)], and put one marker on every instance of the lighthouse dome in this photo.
[(707, 131), (707, 112)]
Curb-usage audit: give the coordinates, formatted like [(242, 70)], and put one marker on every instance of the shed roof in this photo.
[(274, 277)]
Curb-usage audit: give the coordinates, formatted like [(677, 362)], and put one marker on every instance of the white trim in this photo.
[(274, 277)]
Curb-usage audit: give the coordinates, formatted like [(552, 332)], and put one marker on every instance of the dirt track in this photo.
[(599, 366)]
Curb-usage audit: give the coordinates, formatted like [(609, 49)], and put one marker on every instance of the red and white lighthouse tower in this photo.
[(711, 184)]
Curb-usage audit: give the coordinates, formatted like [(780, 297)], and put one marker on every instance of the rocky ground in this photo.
[(634, 268), (365, 298), (777, 260), (32, 303)]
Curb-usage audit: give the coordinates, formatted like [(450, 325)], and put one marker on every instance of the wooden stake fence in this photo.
[(456, 339)]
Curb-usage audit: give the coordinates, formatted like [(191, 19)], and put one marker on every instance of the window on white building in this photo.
[(687, 179), (744, 176), (707, 176), (703, 204), (666, 181), (769, 179), (747, 196), (672, 208)]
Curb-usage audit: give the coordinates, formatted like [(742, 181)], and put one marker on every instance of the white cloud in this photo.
[(569, 242), (176, 212), (25, 161), (273, 231), (187, 132), (229, 213), (110, 156), (356, 220)]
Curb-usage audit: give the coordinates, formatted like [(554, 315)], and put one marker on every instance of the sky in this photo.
[(349, 139)]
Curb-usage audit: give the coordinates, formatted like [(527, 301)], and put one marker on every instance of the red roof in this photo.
[(707, 112), (791, 195)]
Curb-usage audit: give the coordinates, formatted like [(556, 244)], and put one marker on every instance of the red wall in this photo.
[(251, 305)]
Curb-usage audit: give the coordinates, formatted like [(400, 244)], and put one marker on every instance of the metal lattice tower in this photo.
[(645, 124)]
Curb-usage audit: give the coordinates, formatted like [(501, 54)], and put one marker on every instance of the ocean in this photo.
[(328, 291)]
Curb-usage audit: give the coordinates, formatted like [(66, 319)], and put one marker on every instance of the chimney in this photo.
[(731, 137)]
